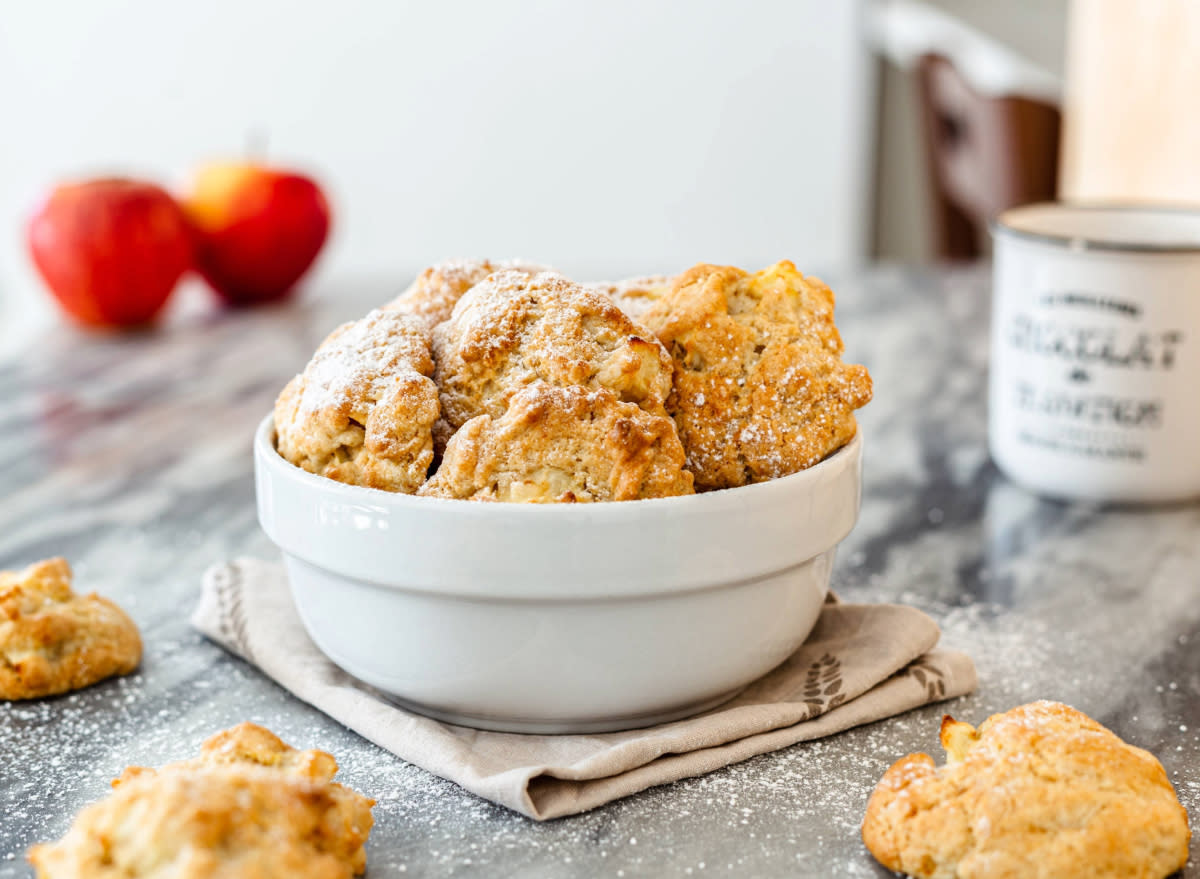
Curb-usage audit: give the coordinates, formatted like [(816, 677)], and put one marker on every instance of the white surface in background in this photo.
[(904, 30), (599, 137)]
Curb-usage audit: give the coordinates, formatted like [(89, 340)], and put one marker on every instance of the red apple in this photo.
[(110, 250), (258, 229)]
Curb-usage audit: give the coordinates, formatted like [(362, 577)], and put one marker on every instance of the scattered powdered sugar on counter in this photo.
[(798, 804), (76, 730), (797, 809)]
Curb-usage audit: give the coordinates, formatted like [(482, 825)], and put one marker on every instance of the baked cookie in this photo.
[(248, 807), (760, 389), (556, 445), (634, 296), (249, 744), (433, 295), (362, 412), (52, 640), (1039, 792), (513, 329)]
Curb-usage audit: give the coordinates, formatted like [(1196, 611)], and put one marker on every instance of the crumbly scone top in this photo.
[(1041, 791), (760, 390), (355, 364), (435, 292), (363, 409), (37, 587), (562, 445), (252, 745), (513, 329), (248, 806)]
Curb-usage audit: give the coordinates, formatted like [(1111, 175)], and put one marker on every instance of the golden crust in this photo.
[(634, 296), (513, 329), (249, 744), (435, 292), (556, 445), (1040, 791), (249, 807), (760, 388), (363, 410), (52, 640)]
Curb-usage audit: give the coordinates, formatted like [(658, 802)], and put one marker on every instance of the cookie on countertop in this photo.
[(634, 296), (363, 410), (435, 292), (513, 329), (248, 807), (760, 389), (555, 445), (52, 640), (249, 744), (1038, 792)]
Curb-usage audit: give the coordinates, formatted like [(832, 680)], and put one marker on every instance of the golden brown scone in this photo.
[(435, 292), (249, 744), (52, 640), (556, 445), (249, 807), (513, 329), (634, 296), (760, 388), (362, 412), (1039, 792)]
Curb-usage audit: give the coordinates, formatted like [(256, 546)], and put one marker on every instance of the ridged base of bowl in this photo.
[(559, 666), (565, 727)]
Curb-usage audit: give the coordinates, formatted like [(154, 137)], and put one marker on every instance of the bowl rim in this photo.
[(266, 452)]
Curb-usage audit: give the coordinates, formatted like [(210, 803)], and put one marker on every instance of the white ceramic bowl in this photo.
[(558, 618)]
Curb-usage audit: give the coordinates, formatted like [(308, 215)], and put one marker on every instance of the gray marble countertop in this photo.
[(131, 457)]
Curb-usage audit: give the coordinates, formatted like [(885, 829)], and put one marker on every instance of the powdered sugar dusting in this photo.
[(473, 270), (512, 330), (483, 304), (433, 295), (360, 359)]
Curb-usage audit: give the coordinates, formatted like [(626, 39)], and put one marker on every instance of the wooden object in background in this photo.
[(1132, 92), (986, 154)]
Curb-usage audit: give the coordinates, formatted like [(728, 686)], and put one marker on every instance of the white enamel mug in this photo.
[(1095, 364)]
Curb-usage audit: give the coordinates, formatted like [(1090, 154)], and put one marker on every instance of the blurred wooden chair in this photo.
[(985, 153), (989, 119)]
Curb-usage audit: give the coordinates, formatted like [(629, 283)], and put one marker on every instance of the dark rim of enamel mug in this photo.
[(1082, 242)]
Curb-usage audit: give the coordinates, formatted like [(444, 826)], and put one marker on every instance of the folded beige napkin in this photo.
[(862, 662)]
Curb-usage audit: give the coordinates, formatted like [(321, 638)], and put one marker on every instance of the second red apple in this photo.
[(258, 229)]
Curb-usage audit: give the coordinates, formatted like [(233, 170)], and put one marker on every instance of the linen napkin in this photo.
[(862, 662)]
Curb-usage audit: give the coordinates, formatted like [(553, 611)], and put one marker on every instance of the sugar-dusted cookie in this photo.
[(760, 389), (514, 329), (248, 807), (362, 411), (555, 445), (435, 292), (1038, 792), (52, 640)]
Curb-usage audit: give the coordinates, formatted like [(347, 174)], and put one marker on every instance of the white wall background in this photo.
[(603, 137)]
